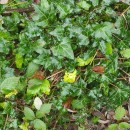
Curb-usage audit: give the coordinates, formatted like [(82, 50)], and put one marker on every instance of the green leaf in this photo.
[(77, 104), (124, 125), (9, 85), (34, 86), (126, 63), (18, 60), (45, 109), (125, 53), (64, 10), (31, 69), (82, 62), (63, 49), (45, 4), (120, 113), (95, 2), (104, 31), (112, 127), (118, 94), (83, 4), (29, 114), (108, 49), (39, 124), (45, 87)]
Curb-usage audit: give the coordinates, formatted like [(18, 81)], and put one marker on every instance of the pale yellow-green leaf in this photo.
[(120, 113), (3, 104), (70, 77), (18, 60), (125, 53), (82, 62), (11, 93), (45, 87), (24, 126), (108, 49)]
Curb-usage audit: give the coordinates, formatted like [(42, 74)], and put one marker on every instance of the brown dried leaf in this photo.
[(67, 103), (99, 55), (38, 75), (98, 69), (99, 114)]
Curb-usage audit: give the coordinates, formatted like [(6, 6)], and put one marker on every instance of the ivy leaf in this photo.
[(45, 4), (29, 114), (63, 49), (95, 2), (77, 104), (103, 31), (39, 124), (45, 109), (125, 53), (119, 113), (63, 9), (31, 69), (119, 94), (70, 77), (9, 85), (18, 60), (83, 4), (124, 125)]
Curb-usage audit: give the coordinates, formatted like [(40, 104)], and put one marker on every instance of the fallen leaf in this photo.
[(99, 54), (38, 75), (67, 103), (37, 103), (3, 1), (70, 77), (98, 69)]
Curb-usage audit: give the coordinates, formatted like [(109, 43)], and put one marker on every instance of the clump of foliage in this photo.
[(74, 54)]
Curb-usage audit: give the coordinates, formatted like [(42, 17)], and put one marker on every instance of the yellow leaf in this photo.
[(24, 126), (11, 93), (70, 77), (82, 62), (3, 104)]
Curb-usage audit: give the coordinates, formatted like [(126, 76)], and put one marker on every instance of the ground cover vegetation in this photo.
[(64, 64)]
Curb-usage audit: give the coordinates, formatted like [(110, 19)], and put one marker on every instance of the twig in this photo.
[(125, 21), (5, 122), (54, 74), (114, 85), (20, 10), (125, 10), (125, 72)]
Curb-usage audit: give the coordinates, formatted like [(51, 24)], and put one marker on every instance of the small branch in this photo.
[(5, 122), (125, 72), (125, 11), (54, 74), (20, 10), (114, 85)]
